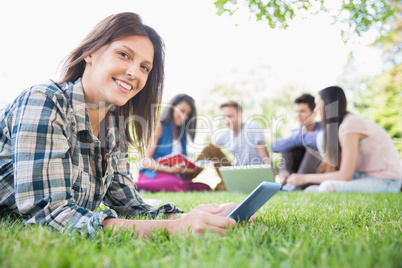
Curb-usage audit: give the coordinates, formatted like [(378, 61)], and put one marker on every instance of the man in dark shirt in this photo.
[(295, 157)]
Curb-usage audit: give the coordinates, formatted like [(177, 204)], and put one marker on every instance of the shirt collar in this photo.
[(79, 106), (82, 118)]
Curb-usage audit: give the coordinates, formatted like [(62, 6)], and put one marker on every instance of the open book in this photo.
[(178, 158)]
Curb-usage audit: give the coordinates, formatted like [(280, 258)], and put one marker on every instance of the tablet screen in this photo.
[(254, 201)]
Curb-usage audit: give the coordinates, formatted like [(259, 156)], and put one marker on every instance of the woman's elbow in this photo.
[(346, 176)]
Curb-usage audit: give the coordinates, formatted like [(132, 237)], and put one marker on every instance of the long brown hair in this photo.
[(140, 112), (335, 105), (189, 127)]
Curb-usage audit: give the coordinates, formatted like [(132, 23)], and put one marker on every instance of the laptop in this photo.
[(245, 179)]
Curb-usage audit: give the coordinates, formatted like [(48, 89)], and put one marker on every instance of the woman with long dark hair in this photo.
[(63, 145), (359, 155), (175, 129)]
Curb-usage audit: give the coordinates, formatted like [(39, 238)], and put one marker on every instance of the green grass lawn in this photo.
[(293, 230)]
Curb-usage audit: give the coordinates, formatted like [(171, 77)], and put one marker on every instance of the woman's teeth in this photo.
[(128, 87)]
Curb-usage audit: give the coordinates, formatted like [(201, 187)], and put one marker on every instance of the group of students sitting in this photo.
[(177, 126), (342, 153), (359, 156), (64, 145)]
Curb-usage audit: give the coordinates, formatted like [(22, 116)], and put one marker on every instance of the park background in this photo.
[(215, 58)]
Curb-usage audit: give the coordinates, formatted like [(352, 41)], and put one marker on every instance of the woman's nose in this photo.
[(132, 70)]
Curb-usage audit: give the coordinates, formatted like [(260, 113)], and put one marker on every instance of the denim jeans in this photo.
[(363, 183)]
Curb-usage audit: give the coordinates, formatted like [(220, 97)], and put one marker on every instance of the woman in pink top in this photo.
[(359, 155)]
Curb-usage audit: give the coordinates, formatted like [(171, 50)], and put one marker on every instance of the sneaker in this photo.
[(290, 188), (312, 189)]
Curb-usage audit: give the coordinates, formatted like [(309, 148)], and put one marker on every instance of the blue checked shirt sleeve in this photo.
[(298, 138), (43, 170), (287, 143), (123, 197)]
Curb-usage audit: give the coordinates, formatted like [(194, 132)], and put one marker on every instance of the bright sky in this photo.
[(202, 48)]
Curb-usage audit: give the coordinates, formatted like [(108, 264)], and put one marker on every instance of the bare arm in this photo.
[(264, 154), (197, 221), (350, 146)]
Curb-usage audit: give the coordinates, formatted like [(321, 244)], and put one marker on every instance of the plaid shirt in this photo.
[(51, 163)]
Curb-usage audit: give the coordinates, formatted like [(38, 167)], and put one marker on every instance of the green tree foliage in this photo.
[(357, 15), (382, 102), (276, 13), (382, 99), (379, 98), (391, 43)]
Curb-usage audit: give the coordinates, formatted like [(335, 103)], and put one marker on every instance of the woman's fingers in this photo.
[(211, 229), (211, 208), (199, 220), (227, 208), (209, 218), (189, 170), (252, 218), (212, 223)]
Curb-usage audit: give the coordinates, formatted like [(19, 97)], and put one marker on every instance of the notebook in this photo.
[(175, 159), (178, 158), (245, 179)]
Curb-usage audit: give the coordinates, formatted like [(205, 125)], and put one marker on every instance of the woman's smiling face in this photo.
[(118, 71), (181, 113)]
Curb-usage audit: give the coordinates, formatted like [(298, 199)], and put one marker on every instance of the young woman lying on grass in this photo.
[(359, 155), (63, 146)]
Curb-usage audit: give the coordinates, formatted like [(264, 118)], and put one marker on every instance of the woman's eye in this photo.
[(125, 55), (145, 68)]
